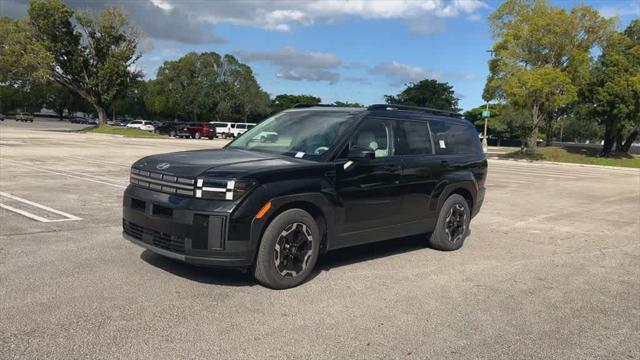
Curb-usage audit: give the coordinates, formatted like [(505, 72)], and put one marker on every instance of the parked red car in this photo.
[(196, 131)]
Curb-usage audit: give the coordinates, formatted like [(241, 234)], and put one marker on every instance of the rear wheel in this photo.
[(288, 251), (172, 133), (453, 224), (197, 135)]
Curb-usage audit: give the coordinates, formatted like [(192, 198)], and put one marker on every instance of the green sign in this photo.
[(485, 113)]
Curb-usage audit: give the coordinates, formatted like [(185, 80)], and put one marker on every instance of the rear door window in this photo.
[(414, 138), (454, 139)]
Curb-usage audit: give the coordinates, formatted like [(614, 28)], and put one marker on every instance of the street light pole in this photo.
[(485, 145), (485, 115)]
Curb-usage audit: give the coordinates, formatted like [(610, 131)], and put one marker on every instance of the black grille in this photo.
[(165, 183), (153, 237)]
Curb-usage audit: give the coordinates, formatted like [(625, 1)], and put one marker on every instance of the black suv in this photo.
[(334, 177)]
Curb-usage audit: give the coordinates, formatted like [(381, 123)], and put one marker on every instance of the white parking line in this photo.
[(67, 217), (85, 177), (96, 161)]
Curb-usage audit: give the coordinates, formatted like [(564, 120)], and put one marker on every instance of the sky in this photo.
[(352, 50)]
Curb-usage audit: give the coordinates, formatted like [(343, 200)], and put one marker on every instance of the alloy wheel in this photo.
[(455, 223), (293, 250)]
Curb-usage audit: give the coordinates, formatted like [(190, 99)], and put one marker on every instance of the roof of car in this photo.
[(398, 110)]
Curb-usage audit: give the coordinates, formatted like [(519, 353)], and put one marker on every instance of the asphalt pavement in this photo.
[(551, 270)]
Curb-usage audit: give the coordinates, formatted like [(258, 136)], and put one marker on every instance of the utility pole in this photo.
[(485, 115)]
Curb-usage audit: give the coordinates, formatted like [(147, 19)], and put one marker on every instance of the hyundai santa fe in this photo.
[(328, 178)]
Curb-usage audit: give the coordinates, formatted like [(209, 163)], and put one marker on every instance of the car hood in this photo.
[(219, 162)]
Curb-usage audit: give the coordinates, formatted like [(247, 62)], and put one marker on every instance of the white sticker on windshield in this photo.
[(299, 154), (442, 145)]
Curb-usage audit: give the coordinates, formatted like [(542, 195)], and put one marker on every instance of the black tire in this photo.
[(210, 137), (197, 136), (451, 230), (172, 133), (268, 270)]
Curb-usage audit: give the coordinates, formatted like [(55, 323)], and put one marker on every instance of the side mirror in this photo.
[(359, 153)]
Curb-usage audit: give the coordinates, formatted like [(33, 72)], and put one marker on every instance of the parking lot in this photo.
[(551, 270)]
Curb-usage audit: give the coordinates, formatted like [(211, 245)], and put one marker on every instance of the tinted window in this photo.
[(414, 138), (452, 139), (219, 124), (241, 126), (375, 134)]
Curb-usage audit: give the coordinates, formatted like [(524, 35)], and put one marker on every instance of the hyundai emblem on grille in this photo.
[(163, 166)]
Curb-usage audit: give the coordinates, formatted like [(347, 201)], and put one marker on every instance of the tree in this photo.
[(427, 93), (347, 104), (20, 56), (10, 98), (286, 101), (612, 95), (505, 122), (29, 97), (132, 102), (475, 117), (242, 98), (206, 85), (91, 55), (62, 100), (541, 55)]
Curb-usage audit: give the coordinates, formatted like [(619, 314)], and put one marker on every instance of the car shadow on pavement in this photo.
[(205, 275), (326, 262), (372, 251)]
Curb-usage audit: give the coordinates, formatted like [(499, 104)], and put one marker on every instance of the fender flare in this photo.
[(443, 190), (314, 200)]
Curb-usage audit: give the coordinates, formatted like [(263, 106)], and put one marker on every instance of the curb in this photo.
[(545, 162)]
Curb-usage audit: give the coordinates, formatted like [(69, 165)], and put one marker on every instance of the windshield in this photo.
[(301, 134)]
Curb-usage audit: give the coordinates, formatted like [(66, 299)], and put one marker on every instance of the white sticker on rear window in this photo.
[(299, 154), (442, 145)]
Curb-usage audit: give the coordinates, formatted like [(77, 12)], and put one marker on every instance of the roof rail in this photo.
[(303, 105), (415, 108)]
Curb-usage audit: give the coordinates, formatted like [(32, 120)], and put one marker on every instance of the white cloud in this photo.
[(400, 74), (162, 4), (295, 65), (191, 21)]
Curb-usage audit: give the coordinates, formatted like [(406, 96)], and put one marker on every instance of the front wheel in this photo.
[(453, 224), (197, 136), (288, 251)]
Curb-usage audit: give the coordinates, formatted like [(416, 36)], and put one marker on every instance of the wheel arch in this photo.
[(315, 204), (462, 188)]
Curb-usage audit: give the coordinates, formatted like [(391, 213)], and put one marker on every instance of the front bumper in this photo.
[(191, 230), (189, 259)]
